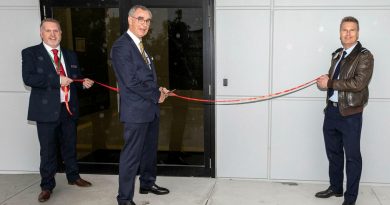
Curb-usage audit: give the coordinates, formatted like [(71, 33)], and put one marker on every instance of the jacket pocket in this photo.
[(355, 99)]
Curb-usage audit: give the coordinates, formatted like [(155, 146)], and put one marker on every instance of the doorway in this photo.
[(179, 41)]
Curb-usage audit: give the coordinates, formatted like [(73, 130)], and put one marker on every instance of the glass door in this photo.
[(176, 41)]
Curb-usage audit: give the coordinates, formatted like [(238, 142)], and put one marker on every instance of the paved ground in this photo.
[(24, 189)]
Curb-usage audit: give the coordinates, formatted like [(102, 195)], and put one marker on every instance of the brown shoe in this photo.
[(44, 196), (81, 183)]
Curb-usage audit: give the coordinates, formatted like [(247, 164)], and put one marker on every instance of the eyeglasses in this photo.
[(141, 20)]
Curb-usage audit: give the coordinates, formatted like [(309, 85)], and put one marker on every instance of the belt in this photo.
[(334, 104)]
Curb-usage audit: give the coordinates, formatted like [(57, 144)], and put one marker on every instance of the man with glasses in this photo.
[(139, 109)]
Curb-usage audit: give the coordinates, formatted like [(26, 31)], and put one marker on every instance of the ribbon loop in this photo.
[(231, 101)]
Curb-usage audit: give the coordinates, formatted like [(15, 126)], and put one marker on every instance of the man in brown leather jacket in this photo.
[(347, 85)]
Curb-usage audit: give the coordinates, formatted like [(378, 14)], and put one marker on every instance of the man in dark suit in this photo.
[(49, 69), (347, 85), (139, 109)]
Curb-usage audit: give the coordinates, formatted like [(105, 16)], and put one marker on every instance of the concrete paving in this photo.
[(21, 189)]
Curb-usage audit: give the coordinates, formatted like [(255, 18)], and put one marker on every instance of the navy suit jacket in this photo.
[(39, 73), (138, 89)]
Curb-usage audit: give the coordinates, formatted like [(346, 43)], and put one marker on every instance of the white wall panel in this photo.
[(332, 3), (19, 140), (236, 3), (304, 33), (374, 33), (297, 145), (303, 46), (242, 140), (22, 3), (19, 146), (22, 30), (242, 52), (375, 142)]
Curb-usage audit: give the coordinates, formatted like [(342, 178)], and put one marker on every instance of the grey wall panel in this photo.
[(375, 142), (304, 33), (19, 146), (242, 140), (332, 3), (374, 34), (19, 3), (242, 52), (19, 141), (237, 3), (302, 49), (302, 46), (297, 145), (22, 31)]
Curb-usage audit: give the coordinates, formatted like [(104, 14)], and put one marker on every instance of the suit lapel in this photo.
[(67, 63), (136, 50), (42, 53), (134, 47), (152, 68), (140, 58)]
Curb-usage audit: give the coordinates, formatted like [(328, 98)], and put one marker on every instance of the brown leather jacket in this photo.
[(355, 75)]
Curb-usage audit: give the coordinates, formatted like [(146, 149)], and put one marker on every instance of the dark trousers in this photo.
[(61, 133), (138, 155), (342, 135)]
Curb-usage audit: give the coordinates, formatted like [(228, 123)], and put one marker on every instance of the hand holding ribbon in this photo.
[(87, 83)]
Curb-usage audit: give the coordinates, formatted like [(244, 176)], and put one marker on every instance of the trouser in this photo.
[(62, 132), (138, 155), (342, 135)]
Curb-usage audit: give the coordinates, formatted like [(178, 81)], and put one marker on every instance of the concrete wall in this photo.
[(19, 146), (266, 46)]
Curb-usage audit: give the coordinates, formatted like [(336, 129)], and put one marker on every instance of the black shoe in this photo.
[(127, 203), (328, 193), (348, 203), (154, 189)]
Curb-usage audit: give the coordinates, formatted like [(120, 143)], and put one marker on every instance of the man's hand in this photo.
[(170, 92), (87, 83), (163, 94), (65, 81), (322, 82)]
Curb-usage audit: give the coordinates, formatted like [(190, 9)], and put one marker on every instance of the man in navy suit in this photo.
[(139, 109), (49, 69)]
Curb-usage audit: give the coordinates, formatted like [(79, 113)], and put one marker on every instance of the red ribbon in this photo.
[(240, 100), (101, 84)]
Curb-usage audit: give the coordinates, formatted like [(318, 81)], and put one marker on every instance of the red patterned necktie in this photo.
[(60, 70)]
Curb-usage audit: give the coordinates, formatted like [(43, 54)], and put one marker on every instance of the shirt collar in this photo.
[(135, 38), (48, 48), (349, 50)]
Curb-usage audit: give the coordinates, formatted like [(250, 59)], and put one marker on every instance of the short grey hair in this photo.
[(135, 7), (52, 21)]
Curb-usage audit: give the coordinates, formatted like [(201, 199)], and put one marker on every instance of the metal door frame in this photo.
[(208, 70)]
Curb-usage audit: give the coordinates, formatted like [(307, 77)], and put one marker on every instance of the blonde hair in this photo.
[(350, 19)]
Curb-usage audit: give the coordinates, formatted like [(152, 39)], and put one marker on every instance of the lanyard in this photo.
[(58, 66)]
